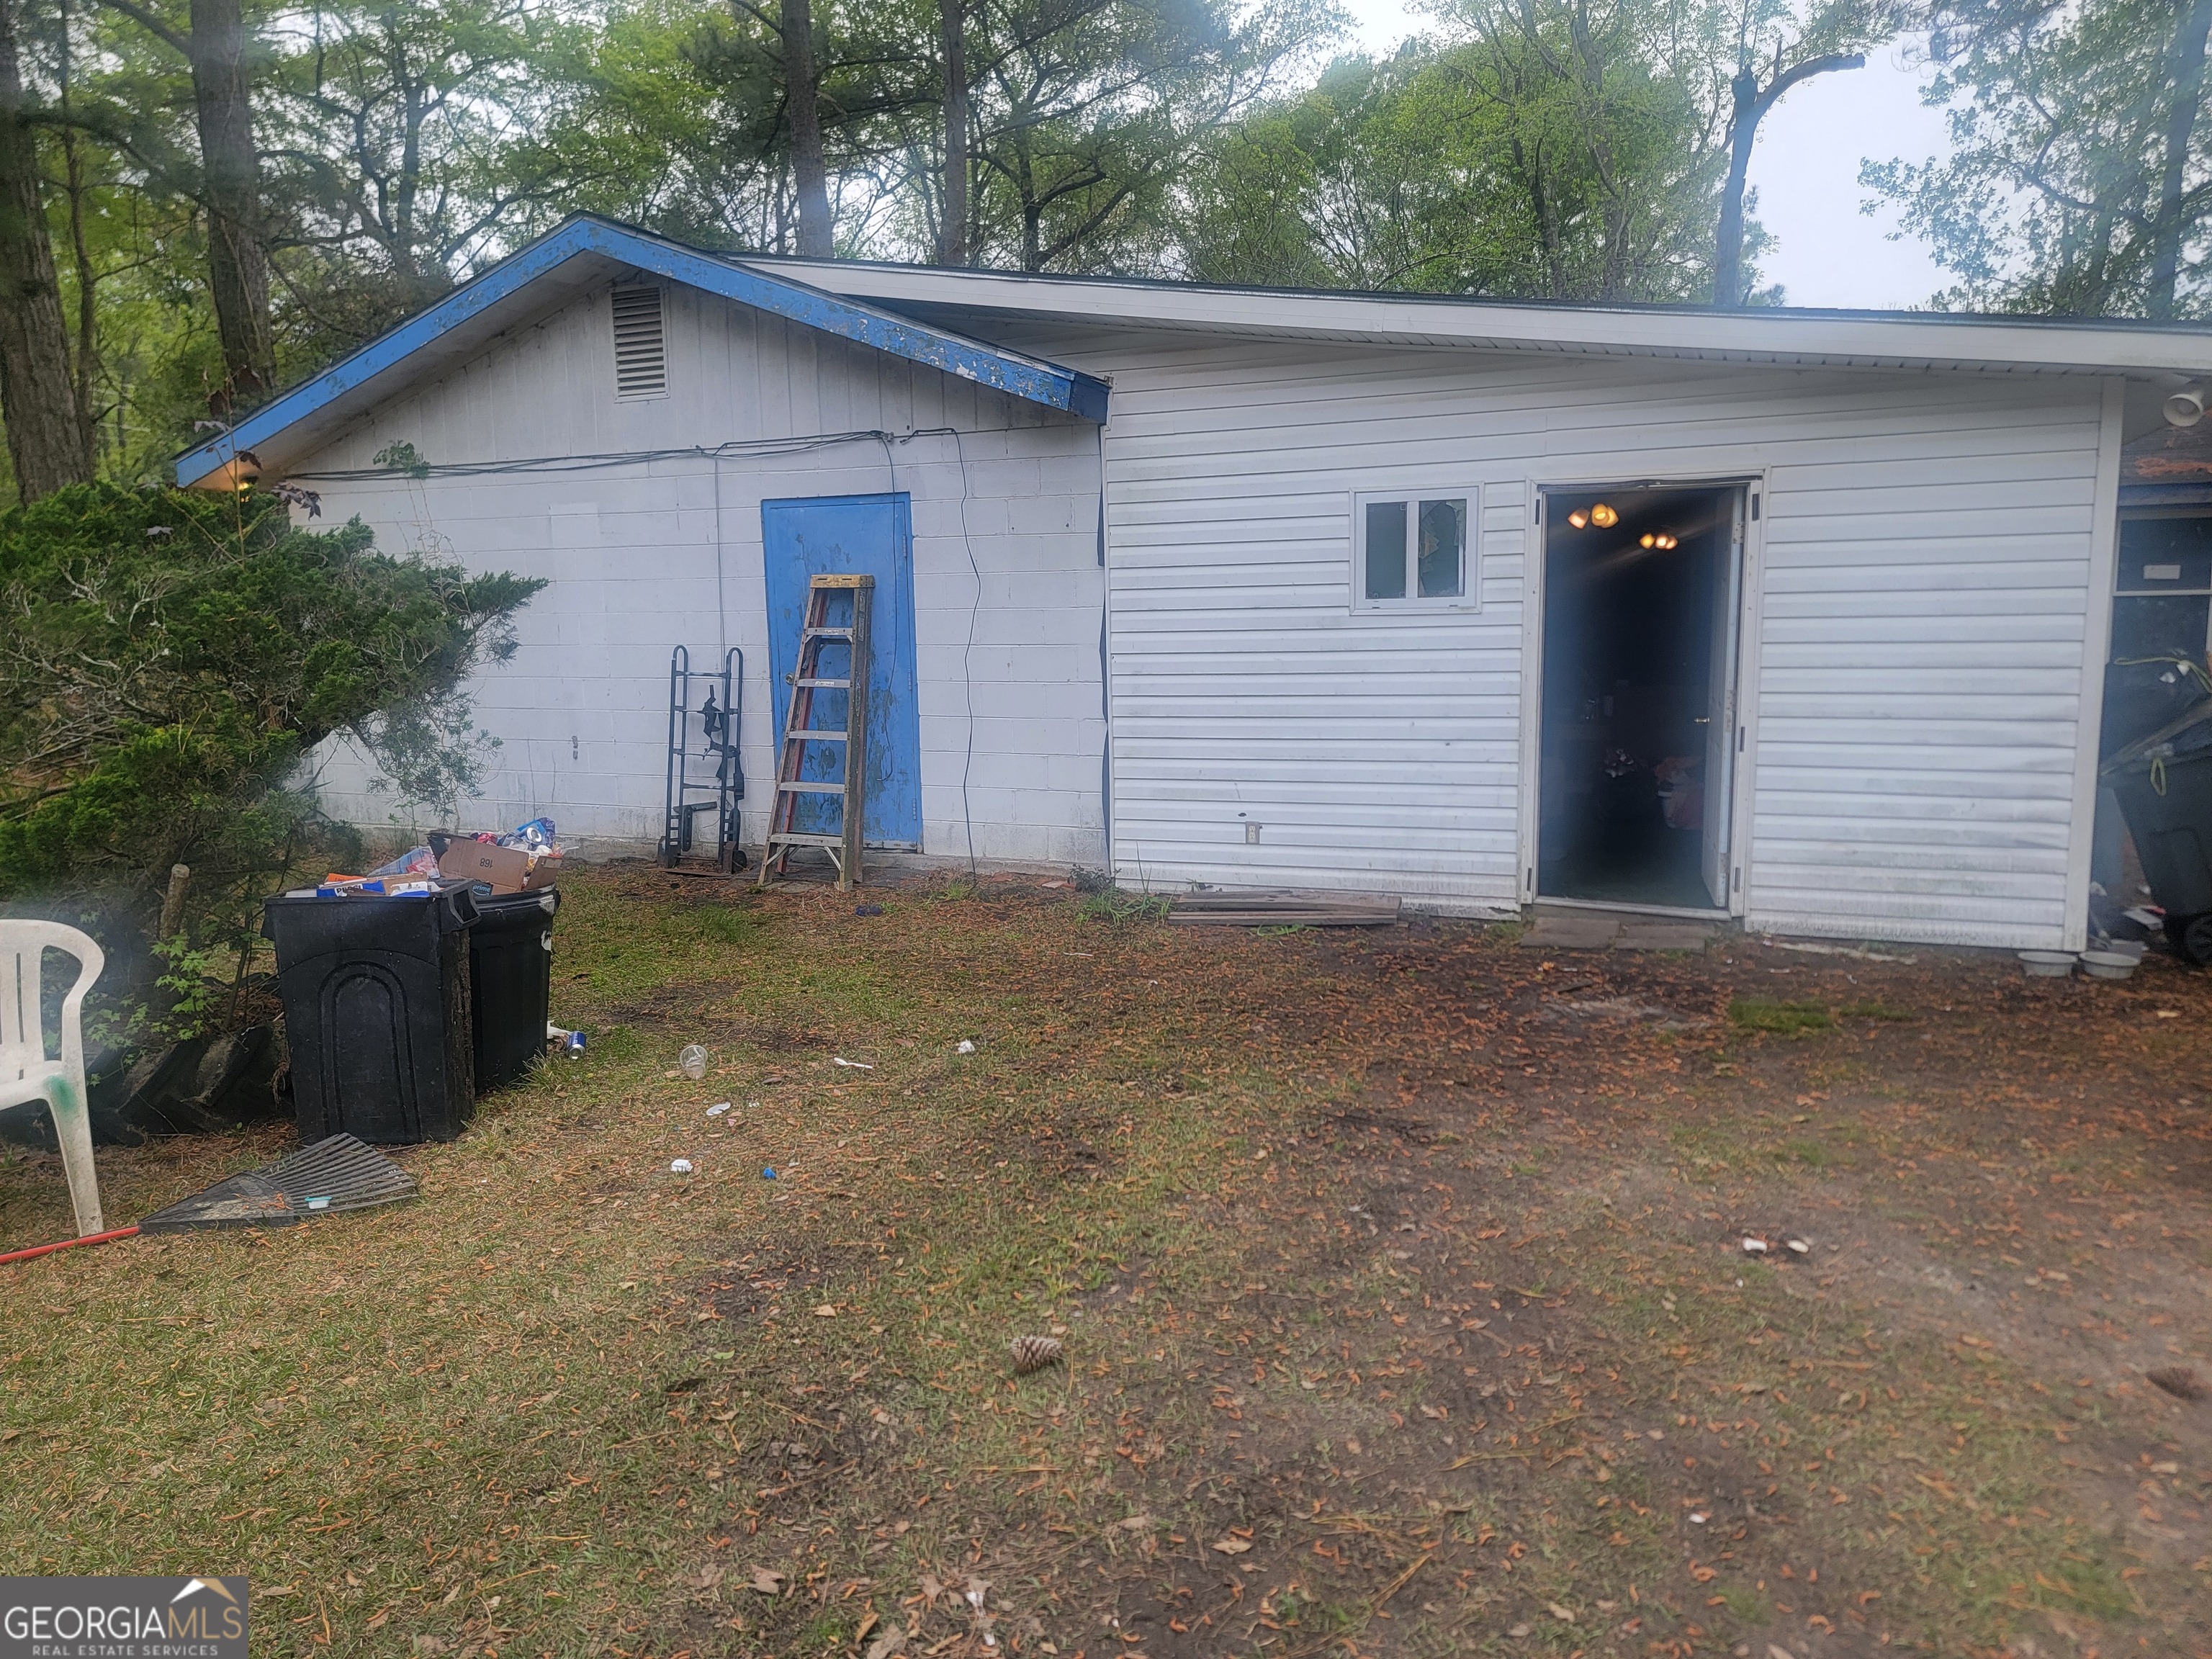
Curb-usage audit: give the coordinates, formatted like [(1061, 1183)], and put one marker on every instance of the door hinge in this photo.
[(1754, 507), (1739, 740)]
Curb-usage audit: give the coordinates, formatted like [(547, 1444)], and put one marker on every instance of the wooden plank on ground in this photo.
[(1283, 909)]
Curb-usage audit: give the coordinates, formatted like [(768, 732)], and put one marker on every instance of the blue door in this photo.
[(872, 535)]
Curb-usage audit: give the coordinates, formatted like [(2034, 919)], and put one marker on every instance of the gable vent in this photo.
[(641, 342)]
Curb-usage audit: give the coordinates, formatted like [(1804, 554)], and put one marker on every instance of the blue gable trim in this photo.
[(1029, 377)]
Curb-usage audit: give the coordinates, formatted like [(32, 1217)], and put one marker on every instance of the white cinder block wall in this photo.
[(1928, 592), (640, 557)]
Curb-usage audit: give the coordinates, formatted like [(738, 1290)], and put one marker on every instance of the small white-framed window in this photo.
[(1414, 550)]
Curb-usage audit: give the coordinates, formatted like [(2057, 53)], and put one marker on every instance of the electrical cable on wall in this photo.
[(738, 449)]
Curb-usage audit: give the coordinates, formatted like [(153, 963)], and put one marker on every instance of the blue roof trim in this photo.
[(1029, 377)]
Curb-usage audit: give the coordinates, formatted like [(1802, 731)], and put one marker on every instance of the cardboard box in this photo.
[(503, 869)]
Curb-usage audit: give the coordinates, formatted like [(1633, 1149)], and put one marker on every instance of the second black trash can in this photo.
[(2164, 782), (376, 1010), (511, 979)]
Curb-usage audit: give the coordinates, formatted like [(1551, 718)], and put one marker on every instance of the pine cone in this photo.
[(1034, 1353), (2179, 1381)]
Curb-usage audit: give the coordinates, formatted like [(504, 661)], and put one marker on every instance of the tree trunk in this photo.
[(802, 95), (1750, 107), (45, 439), (230, 168), (952, 228), (2167, 230), (86, 361), (1728, 249)]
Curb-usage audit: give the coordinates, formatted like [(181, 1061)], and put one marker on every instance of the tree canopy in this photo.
[(2080, 175)]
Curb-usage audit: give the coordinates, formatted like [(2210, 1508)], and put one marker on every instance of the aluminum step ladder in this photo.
[(817, 634)]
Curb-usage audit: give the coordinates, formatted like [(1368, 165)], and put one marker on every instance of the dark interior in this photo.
[(1628, 637)]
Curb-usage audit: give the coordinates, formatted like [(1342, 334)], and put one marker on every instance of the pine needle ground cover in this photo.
[(1399, 1280)]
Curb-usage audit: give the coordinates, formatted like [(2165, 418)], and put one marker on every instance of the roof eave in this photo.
[(352, 383)]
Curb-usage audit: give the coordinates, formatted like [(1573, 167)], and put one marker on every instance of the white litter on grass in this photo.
[(856, 1065), (718, 1108), (965, 1046), (1754, 1247), (1697, 1519), (680, 1166)]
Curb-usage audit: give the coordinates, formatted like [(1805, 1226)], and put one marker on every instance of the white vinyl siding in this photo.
[(631, 552), (1915, 661)]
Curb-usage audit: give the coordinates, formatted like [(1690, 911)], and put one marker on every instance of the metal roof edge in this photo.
[(1031, 379), (2121, 344)]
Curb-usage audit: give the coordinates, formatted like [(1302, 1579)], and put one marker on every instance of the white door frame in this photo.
[(1625, 474)]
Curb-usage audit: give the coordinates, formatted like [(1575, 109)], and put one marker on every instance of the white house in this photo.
[(1796, 617)]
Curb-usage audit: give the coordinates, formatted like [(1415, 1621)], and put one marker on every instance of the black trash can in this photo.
[(2164, 782), (376, 1010), (511, 982)]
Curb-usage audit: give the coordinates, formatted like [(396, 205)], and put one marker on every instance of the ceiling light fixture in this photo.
[(1649, 540), (1603, 516), (1579, 518)]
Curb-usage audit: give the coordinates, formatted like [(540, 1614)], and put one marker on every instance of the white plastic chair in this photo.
[(25, 1073)]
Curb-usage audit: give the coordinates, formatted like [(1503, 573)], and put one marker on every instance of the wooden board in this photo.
[(1260, 909)]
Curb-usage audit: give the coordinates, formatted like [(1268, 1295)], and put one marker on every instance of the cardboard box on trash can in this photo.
[(503, 869)]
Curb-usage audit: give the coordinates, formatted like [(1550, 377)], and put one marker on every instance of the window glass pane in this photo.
[(1443, 542), (1386, 549)]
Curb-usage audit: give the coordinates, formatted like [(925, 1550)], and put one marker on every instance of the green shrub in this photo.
[(168, 660)]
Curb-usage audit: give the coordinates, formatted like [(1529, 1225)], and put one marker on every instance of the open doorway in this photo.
[(1642, 586)]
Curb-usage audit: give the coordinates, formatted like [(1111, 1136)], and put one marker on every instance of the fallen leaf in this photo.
[(1559, 1613), (1134, 1522), (892, 1641), (1231, 1545), (1518, 1629), (768, 1582), (707, 1577), (827, 1310), (1773, 1651)]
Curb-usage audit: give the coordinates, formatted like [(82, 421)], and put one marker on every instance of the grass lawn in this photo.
[(1399, 1276)]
